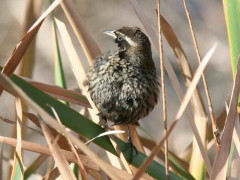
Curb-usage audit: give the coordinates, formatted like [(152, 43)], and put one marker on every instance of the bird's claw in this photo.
[(132, 149), (102, 122)]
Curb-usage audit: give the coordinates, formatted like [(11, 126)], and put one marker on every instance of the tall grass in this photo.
[(69, 133)]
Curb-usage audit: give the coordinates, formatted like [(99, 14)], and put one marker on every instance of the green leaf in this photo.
[(59, 72), (175, 163), (232, 15), (155, 169), (58, 68), (34, 166), (180, 169), (80, 124), (18, 173), (18, 169), (69, 117)]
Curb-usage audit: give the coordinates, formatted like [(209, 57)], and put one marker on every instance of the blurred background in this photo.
[(101, 15)]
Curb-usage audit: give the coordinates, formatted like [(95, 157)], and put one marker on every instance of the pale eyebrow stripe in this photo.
[(128, 39)]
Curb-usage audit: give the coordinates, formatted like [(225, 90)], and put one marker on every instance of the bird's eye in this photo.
[(138, 33), (119, 38)]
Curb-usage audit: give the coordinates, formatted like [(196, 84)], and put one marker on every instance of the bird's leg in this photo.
[(102, 120), (133, 148)]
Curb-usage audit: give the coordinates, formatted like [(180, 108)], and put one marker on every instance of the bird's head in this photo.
[(130, 37)]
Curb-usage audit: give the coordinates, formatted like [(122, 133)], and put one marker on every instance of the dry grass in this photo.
[(68, 133)]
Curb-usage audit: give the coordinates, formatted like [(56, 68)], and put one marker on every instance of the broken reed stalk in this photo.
[(164, 101)]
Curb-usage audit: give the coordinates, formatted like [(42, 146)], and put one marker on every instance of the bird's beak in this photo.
[(110, 33)]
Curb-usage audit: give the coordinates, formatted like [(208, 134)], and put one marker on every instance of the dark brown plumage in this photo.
[(124, 86)]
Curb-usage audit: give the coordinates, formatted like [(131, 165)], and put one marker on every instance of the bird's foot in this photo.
[(132, 147), (103, 121)]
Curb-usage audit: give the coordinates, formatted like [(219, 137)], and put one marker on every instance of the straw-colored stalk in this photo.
[(164, 101)]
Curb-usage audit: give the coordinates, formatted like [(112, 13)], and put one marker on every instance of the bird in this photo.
[(124, 85)]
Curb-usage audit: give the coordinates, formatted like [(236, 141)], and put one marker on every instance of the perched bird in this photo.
[(124, 86)]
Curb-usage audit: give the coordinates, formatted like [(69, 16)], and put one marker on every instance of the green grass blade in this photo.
[(176, 164), (69, 117), (180, 169), (18, 170), (155, 170), (232, 16), (58, 69), (75, 121), (34, 166)]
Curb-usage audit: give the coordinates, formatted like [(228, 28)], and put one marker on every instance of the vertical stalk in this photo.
[(164, 102), (216, 132)]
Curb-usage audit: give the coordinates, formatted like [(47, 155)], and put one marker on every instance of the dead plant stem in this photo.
[(164, 102), (215, 129), (80, 164)]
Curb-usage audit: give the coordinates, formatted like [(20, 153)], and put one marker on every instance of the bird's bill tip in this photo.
[(110, 33)]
